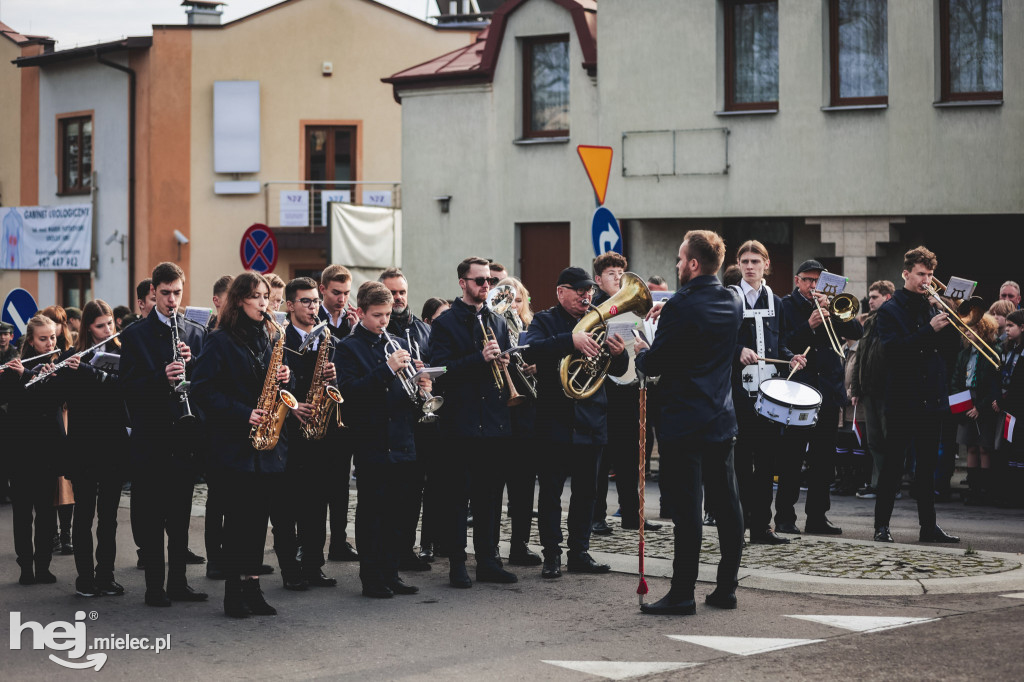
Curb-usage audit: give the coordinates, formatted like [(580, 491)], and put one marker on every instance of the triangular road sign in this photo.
[(598, 162), (865, 623), (743, 646), (620, 670)]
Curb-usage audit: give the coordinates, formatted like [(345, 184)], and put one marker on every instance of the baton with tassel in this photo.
[(642, 589)]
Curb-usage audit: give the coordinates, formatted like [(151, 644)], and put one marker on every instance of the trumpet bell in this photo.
[(433, 403)]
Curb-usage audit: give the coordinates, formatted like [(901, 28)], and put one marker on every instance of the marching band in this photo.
[(442, 413)]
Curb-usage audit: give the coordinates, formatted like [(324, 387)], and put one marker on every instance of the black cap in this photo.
[(809, 265), (6, 328), (577, 278)]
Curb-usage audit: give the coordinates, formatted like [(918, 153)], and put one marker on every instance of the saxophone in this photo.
[(275, 400), (322, 396)]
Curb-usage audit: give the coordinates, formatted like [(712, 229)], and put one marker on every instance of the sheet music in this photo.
[(960, 289), (281, 317), (831, 284), (108, 362), (200, 316)]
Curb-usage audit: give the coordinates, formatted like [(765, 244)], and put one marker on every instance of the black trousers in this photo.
[(247, 500), (213, 530), (691, 464), (96, 496), (558, 462), (472, 471), (430, 458), (340, 471), (380, 521), (162, 503), (287, 510), (820, 444), (521, 481), (314, 488), (33, 492), (904, 432), (417, 482), (621, 453), (763, 448)]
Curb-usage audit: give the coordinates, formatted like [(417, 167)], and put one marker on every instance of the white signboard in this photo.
[(294, 208), (831, 284), (46, 237), (343, 196), (960, 289), (377, 198)]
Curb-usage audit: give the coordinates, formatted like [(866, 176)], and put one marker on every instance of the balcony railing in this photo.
[(303, 203)]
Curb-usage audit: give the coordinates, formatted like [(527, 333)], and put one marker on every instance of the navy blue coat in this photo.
[(97, 420), (692, 353), (419, 332), (152, 404), (915, 355), (302, 367), (381, 416), (227, 385), (775, 334), (473, 405), (561, 419), (825, 370), (34, 434)]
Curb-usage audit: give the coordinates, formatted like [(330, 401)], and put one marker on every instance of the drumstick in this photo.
[(779, 362), (793, 371)]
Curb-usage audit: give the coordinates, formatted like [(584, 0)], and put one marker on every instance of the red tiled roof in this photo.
[(19, 38), (475, 63)]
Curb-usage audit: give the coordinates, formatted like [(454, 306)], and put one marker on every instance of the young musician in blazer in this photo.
[(161, 452), (229, 380)]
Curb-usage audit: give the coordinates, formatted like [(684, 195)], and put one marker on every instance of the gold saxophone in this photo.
[(275, 400), (322, 397)]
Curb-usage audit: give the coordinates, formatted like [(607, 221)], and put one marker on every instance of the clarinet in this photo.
[(184, 414)]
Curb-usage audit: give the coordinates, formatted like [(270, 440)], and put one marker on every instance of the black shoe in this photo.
[(316, 578), (497, 558), (109, 588), (768, 537), (458, 576), (582, 562), (294, 583), (193, 558), (822, 526), (520, 555), (883, 535), (55, 544), (265, 569), (426, 553), (721, 599), (671, 606), (411, 562), (552, 568), (85, 587), (399, 586), (215, 572), (601, 528), (234, 604), (140, 564), (157, 598), (44, 577), (787, 528), (648, 525), (493, 573), (376, 591), (343, 552), (66, 547), (709, 520), (252, 595), (28, 576), (185, 593), (935, 534)]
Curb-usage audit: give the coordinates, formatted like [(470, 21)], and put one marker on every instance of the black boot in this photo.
[(28, 576), (458, 576), (234, 604), (252, 595)]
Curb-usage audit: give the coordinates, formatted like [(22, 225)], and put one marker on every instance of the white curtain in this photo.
[(366, 236)]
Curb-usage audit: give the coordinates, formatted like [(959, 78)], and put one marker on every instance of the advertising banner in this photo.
[(46, 237)]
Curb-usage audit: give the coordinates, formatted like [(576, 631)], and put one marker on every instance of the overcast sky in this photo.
[(81, 22)]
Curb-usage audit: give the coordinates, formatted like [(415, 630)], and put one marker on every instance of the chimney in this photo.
[(203, 13)]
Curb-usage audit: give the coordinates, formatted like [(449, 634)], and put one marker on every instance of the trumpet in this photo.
[(500, 370), (967, 314), (501, 301), (843, 307), (422, 399), (63, 363)]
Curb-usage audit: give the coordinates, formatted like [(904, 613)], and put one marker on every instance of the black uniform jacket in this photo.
[(692, 353), (825, 370), (1012, 399), (473, 405), (988, 380), (97, 419), (227, 385), (915, 353), (419, 332), (381, 414), (561, 419), (152, 404), (775, 333), (302, 367), (337, 332), (34, 433)]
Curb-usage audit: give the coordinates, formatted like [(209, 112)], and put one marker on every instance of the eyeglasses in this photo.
[(812, 280), (307, 302), (581, 292), (479, 281)]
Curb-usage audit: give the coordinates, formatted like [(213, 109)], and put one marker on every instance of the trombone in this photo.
[(842, 306), (972, 311)]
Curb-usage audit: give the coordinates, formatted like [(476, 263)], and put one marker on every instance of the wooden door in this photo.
[(543, 254)]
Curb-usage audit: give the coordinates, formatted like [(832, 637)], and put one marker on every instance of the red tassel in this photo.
[(641, 589)]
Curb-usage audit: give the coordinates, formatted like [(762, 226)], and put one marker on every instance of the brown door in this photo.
[(543, 254)]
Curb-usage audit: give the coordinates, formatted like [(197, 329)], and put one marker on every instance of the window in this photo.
[(858, 42), (75, 155), (75, 289), (751, 55), (971, 36), (330, 155), (546, 87)]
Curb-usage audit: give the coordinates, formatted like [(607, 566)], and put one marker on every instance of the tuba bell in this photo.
[(582, 376)]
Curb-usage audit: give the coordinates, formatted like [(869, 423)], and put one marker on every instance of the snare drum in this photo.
[(788, 403)]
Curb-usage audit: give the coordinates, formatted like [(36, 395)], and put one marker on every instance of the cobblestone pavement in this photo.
[(812, 556)]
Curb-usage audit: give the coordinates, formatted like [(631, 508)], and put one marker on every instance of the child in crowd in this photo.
[(1011, 402)]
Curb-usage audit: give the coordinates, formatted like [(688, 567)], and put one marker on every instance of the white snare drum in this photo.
[(789, 403)]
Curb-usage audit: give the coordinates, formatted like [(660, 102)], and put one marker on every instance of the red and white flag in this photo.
[(960, 402), (1008, 425), (856, 428)]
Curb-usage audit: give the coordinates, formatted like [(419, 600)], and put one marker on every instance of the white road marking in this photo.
[(1015, 595), (865, 623), (743, 646), (620, 670)]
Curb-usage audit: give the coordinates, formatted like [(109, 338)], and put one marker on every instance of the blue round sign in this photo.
[(604, 232), (19, 307)]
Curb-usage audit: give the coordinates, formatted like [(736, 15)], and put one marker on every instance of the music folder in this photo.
[(430, 372), (108, 362)]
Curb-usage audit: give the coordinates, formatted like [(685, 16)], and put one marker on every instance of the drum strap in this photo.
[(758, 314)]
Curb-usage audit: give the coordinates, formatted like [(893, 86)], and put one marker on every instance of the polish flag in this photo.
[(961, 402), (1008, 425), (857, 432)]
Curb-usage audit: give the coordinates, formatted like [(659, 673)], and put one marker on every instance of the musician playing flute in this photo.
[(162, 465)]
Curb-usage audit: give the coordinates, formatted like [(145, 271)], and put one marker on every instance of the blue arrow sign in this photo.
[(604, 232), (19, 307)]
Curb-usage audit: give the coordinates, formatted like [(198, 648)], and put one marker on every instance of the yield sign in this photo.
[(259, 248), (598, 163)]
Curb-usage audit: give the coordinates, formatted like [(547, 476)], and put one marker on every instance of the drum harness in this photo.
[(764, 371)]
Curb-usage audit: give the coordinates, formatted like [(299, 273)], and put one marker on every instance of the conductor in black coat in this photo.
[(693, 352), (162, 468)]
